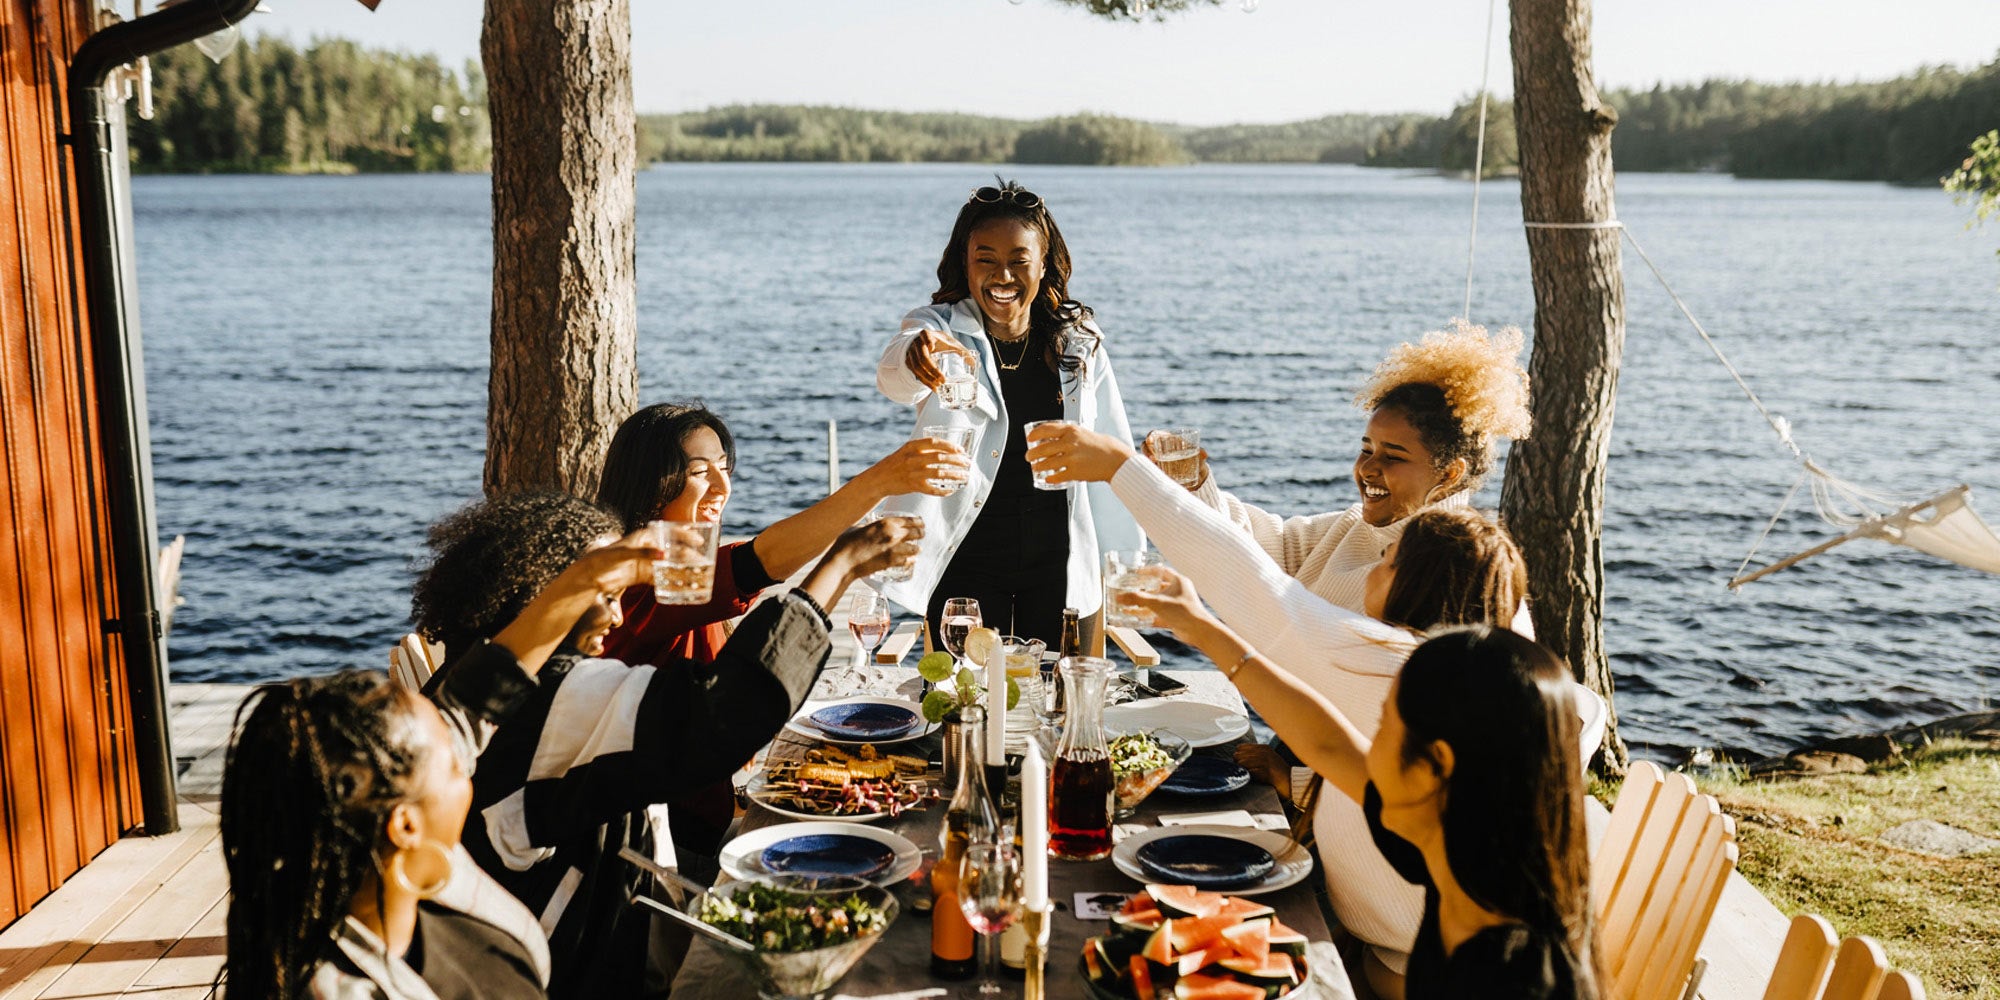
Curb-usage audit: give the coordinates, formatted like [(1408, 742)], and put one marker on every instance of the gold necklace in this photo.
[(1023, 356)]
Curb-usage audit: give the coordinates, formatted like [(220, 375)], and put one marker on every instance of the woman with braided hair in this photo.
[(343, 799)]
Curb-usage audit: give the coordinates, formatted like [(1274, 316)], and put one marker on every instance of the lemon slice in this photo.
[(980, 644)]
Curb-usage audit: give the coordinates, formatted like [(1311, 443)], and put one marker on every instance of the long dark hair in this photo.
[(1513, 815), (489, 559), (647, 465), (1455, 567), (311, 775), (1055, 318)]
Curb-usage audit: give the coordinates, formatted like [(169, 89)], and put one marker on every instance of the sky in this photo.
[(1288, 60)]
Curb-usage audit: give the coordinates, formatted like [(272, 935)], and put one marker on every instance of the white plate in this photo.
[(1199, 723), (743, 857), (802, 722), (1293, 865)]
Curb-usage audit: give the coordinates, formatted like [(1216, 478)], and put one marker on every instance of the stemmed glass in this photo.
[(989, 891), (869, 620), (961, 616)]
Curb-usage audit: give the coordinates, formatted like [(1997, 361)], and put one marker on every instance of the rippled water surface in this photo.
[(316, 358)]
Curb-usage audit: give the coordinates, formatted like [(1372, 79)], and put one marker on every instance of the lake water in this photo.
[(316, 362)]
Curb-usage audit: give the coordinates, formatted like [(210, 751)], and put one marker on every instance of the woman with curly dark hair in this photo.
[(1003, 304), (343, 800), (572, 776)]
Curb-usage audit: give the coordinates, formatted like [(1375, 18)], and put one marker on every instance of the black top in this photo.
[(462, 957), (1509, 962), (1033, 391)]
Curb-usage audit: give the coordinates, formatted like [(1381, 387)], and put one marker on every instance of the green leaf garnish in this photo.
[(935, 666)]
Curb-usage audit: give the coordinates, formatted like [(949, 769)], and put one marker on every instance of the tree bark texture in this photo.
[(1553, 497), (559, 92)]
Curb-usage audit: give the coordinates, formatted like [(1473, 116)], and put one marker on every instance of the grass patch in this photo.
[(1809, 845)]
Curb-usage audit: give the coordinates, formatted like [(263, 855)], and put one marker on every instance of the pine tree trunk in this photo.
[(1553, 498), (559, 92)]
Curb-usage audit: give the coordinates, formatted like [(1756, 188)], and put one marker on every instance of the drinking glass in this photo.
[(961, 616), (960, 390), (894, 574), (687, 574), (1122, 576), (1042, 478), (959, 438), (1177, 451), (1024, 668), (869, 619), (989, 891)]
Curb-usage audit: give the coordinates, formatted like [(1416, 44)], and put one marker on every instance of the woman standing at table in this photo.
[(1469, 789), (1436, 409), (1003, 304), (1449, 567)]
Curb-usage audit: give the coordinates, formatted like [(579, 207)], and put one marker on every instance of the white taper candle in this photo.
[(1034, 828)]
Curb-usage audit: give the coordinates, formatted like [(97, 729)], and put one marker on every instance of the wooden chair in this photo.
[(1665, 858), (1811, 966), (412, 661)]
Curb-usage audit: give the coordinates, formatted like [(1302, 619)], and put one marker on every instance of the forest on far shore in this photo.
[(335, 107)]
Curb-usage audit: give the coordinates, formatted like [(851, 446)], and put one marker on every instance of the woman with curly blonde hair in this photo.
[(1437, 408)]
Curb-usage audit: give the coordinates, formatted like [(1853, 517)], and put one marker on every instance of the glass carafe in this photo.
[(1080, 799)]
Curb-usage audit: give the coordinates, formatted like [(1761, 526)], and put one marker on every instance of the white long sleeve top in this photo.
[(1348, 657)]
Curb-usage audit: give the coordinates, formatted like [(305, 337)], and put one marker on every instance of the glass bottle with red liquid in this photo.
[(1080, 807)]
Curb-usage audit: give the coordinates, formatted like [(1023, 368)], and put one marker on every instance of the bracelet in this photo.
[(1231, 673)]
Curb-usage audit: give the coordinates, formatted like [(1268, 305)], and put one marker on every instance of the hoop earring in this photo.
[(399, 869)]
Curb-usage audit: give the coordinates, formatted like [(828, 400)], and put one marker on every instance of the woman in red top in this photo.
[(673, 462)]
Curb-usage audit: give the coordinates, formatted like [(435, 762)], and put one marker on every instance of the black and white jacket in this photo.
[(567, 779)]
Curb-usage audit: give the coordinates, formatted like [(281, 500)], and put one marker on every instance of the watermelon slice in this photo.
[(1139, 901), (1245, 908), (1160, 947), (1202, 986), (1287, 940), (1143, 920), (1199, 932), (1142, 979), (1277, 969), (1093, 961), (1193, 961), (1251, 939), (1185, 900)]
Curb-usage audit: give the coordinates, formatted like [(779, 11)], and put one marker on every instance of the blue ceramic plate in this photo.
[(1206, 861), (1203, 775), (828, 854), (866, 720)]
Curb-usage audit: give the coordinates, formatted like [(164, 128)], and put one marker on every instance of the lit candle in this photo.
[(996, 705), (1034, 829)]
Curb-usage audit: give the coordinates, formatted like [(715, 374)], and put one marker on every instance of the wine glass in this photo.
[(869, 620), (989, 891), (961, 616)]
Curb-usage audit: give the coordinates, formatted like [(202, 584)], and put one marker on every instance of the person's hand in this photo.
[(1151, 445), (921, 356), (1068, 453), (612, 568), (870, 548), (1171, 601), (912, 467)]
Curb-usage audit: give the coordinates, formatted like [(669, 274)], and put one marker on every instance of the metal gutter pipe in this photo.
[(97, 138)]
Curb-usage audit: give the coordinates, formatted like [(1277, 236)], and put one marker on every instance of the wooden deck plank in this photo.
[(190, 966), (152, 929)]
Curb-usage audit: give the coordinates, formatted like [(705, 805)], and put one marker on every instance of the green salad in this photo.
[(781, 920), (1138, 752)]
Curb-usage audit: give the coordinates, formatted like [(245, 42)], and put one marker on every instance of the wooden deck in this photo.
[(146, 917)]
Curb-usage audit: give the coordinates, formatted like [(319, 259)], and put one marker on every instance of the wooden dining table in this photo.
[(899, 964)]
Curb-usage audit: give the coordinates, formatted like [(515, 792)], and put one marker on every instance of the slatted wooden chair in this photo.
[(1661, 868), (412, 661), (1814, 966)]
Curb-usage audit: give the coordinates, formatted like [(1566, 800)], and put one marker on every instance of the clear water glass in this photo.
[(687, 574), (960, 438), (960, 390), (1041, 477), (1122, 576), (894, 574)]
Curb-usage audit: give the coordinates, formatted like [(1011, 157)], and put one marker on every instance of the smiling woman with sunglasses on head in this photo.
[(1002, 304)]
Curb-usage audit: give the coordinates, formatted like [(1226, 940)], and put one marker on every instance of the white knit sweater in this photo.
[(1348, 657)]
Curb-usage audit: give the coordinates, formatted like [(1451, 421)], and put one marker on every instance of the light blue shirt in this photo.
[(1098, 521)]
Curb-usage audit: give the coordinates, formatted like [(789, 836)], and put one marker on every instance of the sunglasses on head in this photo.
[(1020, 198)]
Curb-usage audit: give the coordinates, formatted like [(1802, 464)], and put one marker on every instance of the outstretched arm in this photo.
[(786, 546), (1326, 740)]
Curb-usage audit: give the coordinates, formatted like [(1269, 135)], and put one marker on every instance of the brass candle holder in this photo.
[(1036, 923)]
